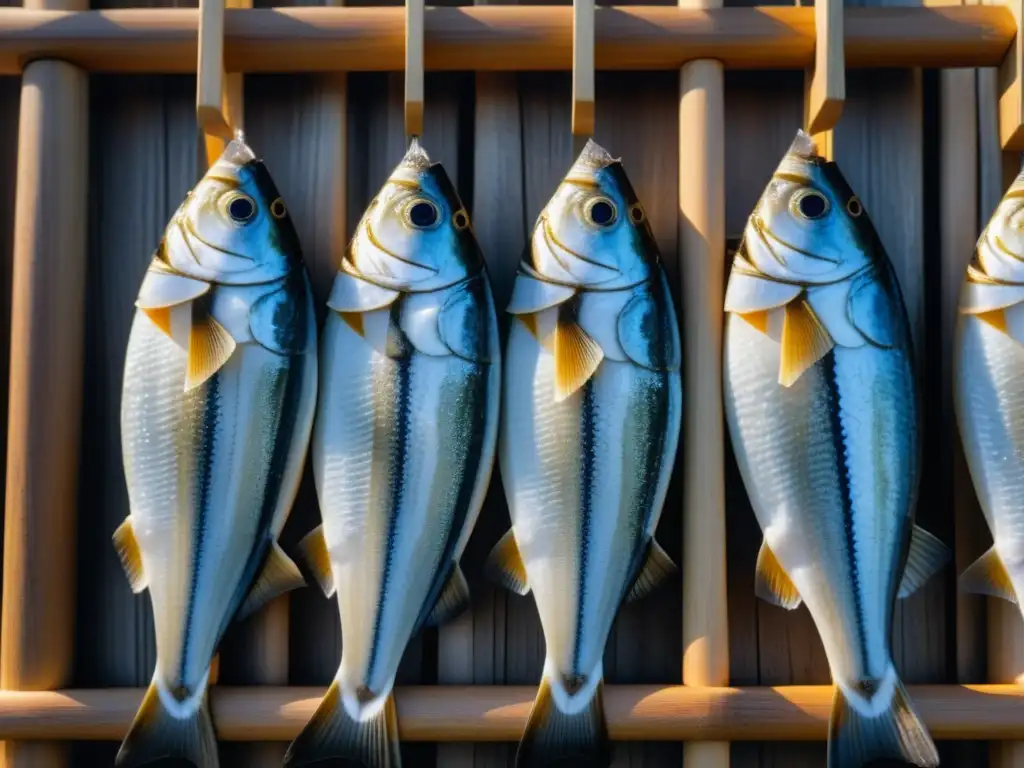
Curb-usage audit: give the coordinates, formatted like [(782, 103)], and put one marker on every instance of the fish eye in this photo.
[(636, 213), (601, 211), (460, 220), (277, 209), (810, 204), (240, 207), (422, 213), (854, 208)]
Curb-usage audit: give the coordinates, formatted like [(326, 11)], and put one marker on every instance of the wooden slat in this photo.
[(701, 220), (1011, 87), (414, 43), (826, 82), (505, 38), (490, 713), (45, 396), (583, 67)]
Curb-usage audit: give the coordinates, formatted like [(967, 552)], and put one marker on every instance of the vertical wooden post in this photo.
[(583, 75), (1006, 631), (47, 321), (825, 89), (414, 75), (702, 268)]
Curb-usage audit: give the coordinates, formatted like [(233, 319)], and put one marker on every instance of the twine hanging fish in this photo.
[(590, 425), (820, 398), (403, 446), (989, 394), (217, 407)]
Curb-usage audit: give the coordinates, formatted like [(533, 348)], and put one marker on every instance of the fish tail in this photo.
[(880, 724), (168, 729), (333, 733), (555, 737)]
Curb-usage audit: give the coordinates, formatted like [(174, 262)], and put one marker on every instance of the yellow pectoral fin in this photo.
[(576, 357), (530, 321), (354, 320), (804, 341), (996, 318), (209, 347), (161, 317), (318, 559), (505, 566), (130, 555), (758, 320)]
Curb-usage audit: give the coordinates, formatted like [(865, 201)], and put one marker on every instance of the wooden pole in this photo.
[(702, 269), (47, 322), (825, 83), (414, 79), (503, 38), (452, 713)]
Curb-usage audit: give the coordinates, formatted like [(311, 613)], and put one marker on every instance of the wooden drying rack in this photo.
[(53, 43)]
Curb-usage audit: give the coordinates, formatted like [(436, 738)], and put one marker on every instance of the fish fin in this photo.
[(161, 317), (988, 576), (994, 317), (131, 556), (279, 575), (804, 342), (855, 738), (214, 675), (505, 565), (758, 319), (314, 553), (554, 738), (209, 347), (658, 567), (454, 599), (331, 733), (772, 584), (353, 320), (926, 558), (530, 321), (576, 358), (156, 734)]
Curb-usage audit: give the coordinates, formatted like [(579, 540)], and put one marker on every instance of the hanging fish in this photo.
[(820, 398), (217, 407), (590, 425), (989, 396), (403, 446)]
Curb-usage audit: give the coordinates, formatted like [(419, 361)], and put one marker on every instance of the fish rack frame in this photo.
[(53, 43)]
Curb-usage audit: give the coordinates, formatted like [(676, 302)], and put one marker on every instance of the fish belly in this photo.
[(585, 480), (211, 474), (830, 465), (401, 449), (989, 396)]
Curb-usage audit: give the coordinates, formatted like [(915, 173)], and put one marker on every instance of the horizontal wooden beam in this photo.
[(493, 37), (498, 713)]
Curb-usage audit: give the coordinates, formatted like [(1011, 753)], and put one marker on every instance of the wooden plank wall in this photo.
[(505, 141)]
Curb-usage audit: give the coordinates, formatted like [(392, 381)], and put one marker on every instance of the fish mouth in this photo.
[(552, 239), (188, 231), (573, 684), (764, 232), (380, 246), (1004, 248)]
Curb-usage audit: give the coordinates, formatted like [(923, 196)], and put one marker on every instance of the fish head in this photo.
[(233, 227), (416, 234), (594, 231), (809, 227)]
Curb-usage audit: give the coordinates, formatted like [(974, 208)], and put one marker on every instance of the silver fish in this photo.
[(820, 398), (590, 424), (403, 446), (989, 395), (217, 407)]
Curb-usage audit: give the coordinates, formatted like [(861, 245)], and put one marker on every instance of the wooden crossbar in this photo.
[(508, 38), (498, 713)]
